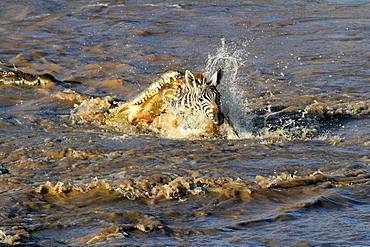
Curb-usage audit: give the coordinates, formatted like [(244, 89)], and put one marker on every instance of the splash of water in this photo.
[(271, 127), (231, 57)]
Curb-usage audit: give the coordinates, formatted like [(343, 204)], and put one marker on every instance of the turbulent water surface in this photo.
[(295, 89)]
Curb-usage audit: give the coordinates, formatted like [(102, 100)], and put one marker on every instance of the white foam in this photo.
[(231, 57)]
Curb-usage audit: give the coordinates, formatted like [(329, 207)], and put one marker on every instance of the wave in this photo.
[(178, 187)]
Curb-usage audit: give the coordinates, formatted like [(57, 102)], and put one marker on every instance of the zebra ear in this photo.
[(215, 78), (190, 79)]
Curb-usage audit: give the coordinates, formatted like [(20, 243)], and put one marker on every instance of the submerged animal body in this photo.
[(179, 92), (20, 78), (177, 105)]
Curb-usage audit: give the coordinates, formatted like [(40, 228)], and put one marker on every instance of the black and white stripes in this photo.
[(198, 94)]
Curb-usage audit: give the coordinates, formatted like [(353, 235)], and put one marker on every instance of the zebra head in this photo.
[(204, 95)]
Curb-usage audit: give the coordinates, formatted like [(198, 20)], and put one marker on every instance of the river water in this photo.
[(281, 183)]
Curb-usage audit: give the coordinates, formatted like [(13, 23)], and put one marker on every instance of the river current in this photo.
[(296, 89)]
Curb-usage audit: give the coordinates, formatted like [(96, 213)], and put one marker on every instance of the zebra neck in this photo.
[(186, 98)]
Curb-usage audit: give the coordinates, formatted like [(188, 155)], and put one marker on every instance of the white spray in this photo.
[(230, 59)]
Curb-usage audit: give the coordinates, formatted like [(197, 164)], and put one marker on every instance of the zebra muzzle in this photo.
[(218, 118), (216, 115)]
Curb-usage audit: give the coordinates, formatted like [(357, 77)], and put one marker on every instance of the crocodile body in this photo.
[(20, 78)]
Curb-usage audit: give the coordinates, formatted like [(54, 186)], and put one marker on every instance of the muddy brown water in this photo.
[(295, 181)]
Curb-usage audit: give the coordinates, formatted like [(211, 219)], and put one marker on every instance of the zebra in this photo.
[(200, 94), (176, 90)]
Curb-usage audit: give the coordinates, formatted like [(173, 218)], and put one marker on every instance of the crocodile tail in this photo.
[(155, 87)]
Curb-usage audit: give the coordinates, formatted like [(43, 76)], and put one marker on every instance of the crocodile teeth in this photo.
[(156, 86)]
